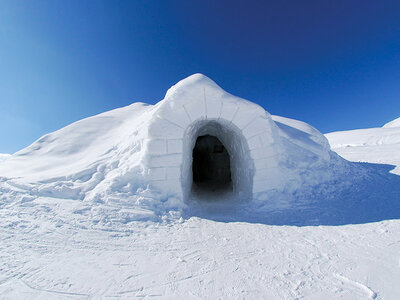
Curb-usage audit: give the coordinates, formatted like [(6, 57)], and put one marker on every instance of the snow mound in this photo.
[(303, 135), (391, 124), (136, 162)]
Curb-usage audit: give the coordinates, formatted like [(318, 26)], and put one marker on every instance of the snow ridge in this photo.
[(391, 124)]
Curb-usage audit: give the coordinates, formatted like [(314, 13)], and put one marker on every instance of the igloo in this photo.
[(198, 140), (197, 108)]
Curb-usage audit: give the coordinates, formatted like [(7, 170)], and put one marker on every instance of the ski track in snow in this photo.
[(370, 293), (43, 257)]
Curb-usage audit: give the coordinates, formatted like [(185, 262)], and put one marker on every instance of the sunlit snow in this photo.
[(3, 157), (373, 145)]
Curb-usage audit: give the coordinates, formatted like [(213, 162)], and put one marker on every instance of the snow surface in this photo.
[(92, 228), (394, 123), (193, 259), (373, 145), (3, 157)]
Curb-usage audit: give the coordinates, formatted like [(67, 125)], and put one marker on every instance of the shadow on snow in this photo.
[(371, 197)]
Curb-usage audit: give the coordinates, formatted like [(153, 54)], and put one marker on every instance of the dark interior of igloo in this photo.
[(211, 165)]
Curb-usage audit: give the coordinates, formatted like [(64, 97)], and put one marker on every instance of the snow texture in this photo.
[(391, 124), (88, 212), (194, 259), (3, 157), (373, 145)]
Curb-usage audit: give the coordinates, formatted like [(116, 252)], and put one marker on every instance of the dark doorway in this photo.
[(211, 164)]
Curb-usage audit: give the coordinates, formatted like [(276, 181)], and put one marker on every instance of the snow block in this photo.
[(213, 105), (174, 146), (157, 146), (228, 111), (162, 128), (168, 160), (196, 109), (255, 127), (175, 114), (173, 172)]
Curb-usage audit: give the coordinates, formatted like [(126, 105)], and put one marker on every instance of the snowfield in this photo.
[(374, 145), (92, 228), (196, 259)]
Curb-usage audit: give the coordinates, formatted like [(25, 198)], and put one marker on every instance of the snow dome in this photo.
[(239, 140), (199, 142)]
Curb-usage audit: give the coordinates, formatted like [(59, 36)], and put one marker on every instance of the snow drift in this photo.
[(141, 156)]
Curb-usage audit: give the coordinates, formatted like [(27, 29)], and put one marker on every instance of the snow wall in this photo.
[(141, 155)]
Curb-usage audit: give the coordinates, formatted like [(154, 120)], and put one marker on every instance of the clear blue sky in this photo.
[(333, 64)]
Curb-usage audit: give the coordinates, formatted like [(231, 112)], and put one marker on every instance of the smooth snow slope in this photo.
[(373, 145), (392, 124)]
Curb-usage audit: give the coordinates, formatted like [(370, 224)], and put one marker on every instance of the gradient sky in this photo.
[(333, 64)]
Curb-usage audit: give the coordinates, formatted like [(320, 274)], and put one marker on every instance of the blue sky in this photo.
[(333, 64)]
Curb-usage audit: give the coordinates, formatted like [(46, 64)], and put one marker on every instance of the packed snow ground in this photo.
[(196, 259)]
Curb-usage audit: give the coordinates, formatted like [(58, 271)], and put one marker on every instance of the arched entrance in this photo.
[(216, 162), (211, 165)]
